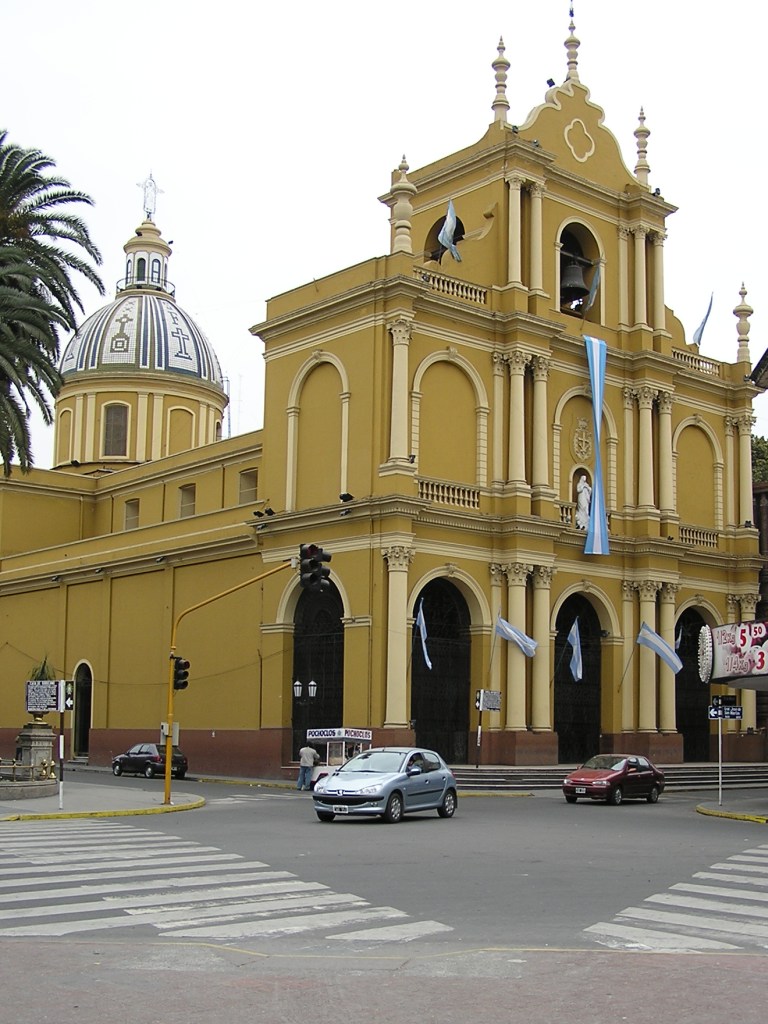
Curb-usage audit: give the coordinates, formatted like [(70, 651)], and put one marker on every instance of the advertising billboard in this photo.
[(737, 652)]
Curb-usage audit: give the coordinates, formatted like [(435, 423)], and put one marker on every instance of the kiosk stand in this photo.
[(340, 744)]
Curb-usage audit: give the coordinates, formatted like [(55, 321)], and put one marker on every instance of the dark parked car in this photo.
[(148, 759), (613, 778), (388, 782)]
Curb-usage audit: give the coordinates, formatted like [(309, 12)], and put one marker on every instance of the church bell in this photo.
[(572, 285)]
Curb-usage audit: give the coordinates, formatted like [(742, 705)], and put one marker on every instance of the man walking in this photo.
[(308, 758)]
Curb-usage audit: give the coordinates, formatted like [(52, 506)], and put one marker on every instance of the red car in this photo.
[(613, 778)]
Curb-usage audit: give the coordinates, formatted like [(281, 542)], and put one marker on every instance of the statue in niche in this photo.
[(583, 502)]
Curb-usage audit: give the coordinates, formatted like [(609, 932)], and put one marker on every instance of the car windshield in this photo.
[(375, 761), (605, 762)]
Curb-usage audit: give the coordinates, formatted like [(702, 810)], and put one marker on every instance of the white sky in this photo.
[(272, 128)]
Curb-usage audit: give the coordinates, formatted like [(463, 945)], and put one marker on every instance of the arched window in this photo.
[(116, 430), (579, 269), (141, 269), (128, 271), (156, 271)]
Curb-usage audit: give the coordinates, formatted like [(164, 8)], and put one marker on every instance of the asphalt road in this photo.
[(512, 910)]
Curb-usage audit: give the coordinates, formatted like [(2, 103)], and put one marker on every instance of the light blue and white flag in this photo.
[(592, 291), (447, 231), (700, 329), (575, 641), (526, 644), (679, 639), (423, 633), (647, 638), (597, 531)]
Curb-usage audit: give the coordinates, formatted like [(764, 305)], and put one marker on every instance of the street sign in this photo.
[(66, 694), (490, 700), (730, 711), (42, 696), (724, 700)]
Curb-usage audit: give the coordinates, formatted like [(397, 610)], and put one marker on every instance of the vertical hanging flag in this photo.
[(597, 531), (648, 638), (575, 641), (592, 291), (423, 632), (679, 638), (526, 644), (700, 329), (447, 231)]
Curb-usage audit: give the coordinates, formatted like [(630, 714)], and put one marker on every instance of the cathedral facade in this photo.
[(498, 429)]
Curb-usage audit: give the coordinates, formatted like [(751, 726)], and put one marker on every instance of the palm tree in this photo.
[(41, 244)]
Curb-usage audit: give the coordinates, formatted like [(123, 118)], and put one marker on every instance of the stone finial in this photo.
[(500, 104), (743, 311), (402, 210), (572, 44), (641, 134)]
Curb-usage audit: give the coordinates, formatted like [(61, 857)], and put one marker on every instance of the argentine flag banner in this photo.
[(649, 638), (509, 632), (597, 531)]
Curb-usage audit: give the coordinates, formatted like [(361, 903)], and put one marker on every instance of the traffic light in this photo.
[(180, 673), (313, 575)]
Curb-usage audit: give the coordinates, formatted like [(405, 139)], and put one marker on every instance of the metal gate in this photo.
[(318, 657), (577, 704), (440, 695), (691, 695)]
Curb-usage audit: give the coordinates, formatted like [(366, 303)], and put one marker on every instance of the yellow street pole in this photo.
[(180, 616)]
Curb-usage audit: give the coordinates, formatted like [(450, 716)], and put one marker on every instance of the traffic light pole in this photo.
[(179, 617)]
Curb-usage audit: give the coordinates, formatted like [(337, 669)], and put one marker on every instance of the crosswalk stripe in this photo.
[(694, 921), (645, 938), (717, 890), (718, 906), (89, 877)]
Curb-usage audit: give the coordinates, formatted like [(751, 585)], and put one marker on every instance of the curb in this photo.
[(758, 819), (171, 809)]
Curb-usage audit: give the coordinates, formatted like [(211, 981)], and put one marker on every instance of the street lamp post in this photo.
[(304, 702)]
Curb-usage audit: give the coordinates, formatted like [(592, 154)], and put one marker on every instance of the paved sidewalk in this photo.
[(88, 800)]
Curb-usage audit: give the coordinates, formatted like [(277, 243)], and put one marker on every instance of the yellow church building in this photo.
[(498, 429)]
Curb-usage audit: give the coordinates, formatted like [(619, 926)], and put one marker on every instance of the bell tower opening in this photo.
[(579, 267)]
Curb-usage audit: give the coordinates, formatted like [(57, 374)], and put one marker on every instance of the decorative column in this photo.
[(666, 491), (667, 712), (743, 311), (399, 558), (291, 448), (514, 270), (745, 423), (624, 276), (537, 264), (403, 192), (517, 579), (748, 699), (630, 498), (541, 713), (647, 589), (730, 423), (659, 310), (500, 104), (497, 470), (628, 651), (540, 439), (645, 399), (516, 361), (400, 330), (641, 286)]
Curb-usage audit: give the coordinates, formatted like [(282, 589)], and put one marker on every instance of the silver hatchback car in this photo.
[(388, 782)]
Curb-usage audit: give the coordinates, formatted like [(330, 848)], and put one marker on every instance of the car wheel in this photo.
[(448, 806), (653, 795), (149, 772), (394, 811), (570, 798), (117, 769), (615, 796), (325, 815)]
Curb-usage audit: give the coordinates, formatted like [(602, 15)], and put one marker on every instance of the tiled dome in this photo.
[(141, 332)]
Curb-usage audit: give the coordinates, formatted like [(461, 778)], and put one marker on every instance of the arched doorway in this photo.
[(318, 657), (440, 695), (577, 704), (691, 695), (81, 719)]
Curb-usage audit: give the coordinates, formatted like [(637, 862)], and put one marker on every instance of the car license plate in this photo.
[(581, 789), (340, 809)]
